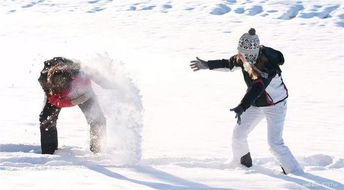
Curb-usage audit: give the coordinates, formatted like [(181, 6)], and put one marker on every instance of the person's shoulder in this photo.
[(272, 54), (267, 49)]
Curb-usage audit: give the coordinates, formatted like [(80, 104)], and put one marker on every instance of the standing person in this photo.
[(65, 85), (266, 96)]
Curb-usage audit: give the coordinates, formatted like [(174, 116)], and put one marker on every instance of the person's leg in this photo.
[(48, 118), (249, 119), (275, 116), (96, 119)]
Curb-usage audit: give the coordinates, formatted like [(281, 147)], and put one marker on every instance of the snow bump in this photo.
[(255, 10), (292, 12), (322, 14), (220, 9), (318, 160), (338, 163)]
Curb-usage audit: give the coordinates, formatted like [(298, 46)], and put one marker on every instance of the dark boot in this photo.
[(246, 160), (49, 141)]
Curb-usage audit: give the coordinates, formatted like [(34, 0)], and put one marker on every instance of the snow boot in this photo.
[(49, 141), (246, 160)]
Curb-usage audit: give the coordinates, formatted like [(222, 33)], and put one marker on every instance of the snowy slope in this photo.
[(174, 121)]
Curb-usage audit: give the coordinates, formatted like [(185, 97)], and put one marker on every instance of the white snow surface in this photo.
[(170, 128)]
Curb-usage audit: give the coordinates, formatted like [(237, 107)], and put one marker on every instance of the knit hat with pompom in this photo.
[(249, 45)]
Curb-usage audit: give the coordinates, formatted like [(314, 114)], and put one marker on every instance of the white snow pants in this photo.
[(275, 116)]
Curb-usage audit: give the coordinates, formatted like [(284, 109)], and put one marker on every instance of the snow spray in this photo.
[(120, 101)]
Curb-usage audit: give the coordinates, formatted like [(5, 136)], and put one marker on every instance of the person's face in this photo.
[(242, 57), (247, 66)]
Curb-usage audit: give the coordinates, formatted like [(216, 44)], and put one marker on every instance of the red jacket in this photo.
[(80, 85)]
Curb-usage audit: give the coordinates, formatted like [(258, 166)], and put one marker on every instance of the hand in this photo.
[(199, 64), (238, 111)]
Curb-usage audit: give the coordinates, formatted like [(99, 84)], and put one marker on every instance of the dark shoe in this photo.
[(246, 160), (48, 148)]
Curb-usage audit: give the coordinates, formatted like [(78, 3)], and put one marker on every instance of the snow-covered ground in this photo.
[(177, 122)]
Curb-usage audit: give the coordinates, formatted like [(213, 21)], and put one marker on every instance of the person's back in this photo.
[(65, 85)]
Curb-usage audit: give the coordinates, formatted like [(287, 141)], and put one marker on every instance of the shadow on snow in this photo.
[(75, 156)]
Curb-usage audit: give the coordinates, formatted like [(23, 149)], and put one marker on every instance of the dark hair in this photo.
[(59, 79)]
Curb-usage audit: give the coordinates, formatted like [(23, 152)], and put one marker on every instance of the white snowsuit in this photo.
[(275, 116), (271, 104)]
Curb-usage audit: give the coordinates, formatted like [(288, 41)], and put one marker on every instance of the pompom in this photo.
[(252, 31)]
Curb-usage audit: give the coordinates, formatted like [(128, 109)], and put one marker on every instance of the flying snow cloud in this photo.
[(120, 100)]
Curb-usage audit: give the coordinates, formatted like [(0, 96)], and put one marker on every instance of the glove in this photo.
[(199, 64), (238, 111)]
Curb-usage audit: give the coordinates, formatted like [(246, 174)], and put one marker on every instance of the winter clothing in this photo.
[(265, 97), (80, 90), (64, 86), (198, 64), (261, 91), (275, 116), (249, 45), (48, 118), (238, 111), (246, 160)]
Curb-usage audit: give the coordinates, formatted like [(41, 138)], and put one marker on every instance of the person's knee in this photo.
[(276, 145), (239, 134)]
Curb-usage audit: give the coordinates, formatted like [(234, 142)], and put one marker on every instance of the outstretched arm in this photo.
[(215, 64), (224, 63)]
